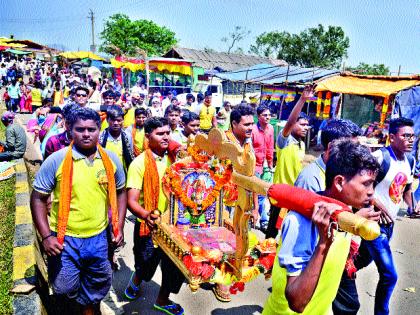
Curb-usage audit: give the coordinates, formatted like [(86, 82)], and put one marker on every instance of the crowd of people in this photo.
[(106, 150)]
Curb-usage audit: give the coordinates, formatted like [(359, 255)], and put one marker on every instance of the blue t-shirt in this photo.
[(299, 234)]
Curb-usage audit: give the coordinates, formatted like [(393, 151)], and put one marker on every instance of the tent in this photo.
[(382, 86), (80, 55), (360, 90), (169, 65)]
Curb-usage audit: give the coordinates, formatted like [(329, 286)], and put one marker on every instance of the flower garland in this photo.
[(194, 152), (173, 181)]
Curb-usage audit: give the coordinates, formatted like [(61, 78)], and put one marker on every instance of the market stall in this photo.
[(366, 100), (154, 66)]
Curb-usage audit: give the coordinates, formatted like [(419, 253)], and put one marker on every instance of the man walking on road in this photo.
[(394, 186), (290, 153), (87, 182), (145, 197)]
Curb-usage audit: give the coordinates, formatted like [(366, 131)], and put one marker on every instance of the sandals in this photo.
[(221, 295), (132, 291), (170, 309)]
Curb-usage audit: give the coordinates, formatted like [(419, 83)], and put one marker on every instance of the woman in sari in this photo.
[(45, 124)]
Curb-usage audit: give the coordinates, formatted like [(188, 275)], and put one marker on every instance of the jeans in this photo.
[(347, 300), (262, 208), (82, 271), (379, 251)]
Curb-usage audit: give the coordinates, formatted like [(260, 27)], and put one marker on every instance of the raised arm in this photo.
[(306, 94)]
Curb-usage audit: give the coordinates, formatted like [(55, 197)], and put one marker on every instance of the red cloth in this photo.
[(173, 149), (300, 200)]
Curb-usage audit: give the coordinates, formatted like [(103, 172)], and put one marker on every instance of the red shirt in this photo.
[(263, 144)]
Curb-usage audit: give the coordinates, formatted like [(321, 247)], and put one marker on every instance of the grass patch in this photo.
[(7, 231)]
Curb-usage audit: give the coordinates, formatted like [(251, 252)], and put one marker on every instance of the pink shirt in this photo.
[(263, 144)]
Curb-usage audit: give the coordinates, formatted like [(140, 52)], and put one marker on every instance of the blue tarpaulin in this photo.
[(270, 74), (407, 104)]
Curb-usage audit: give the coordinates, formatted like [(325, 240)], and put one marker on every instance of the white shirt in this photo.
[(390, 190), (165, 103)]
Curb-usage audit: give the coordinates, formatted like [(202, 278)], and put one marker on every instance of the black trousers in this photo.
[(347, 300), (272, 221), (147, 259)]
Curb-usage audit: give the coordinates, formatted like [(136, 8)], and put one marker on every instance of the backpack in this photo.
[(386, 163)]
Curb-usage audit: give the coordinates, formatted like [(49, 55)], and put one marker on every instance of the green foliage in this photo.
[(313, 47), (238, 34), (375, 69), (7, 231), (120, 34)]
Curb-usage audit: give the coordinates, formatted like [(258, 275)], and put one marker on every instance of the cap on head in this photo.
[(8, 116)]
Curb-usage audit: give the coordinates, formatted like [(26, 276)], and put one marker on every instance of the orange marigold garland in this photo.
[(194, 152)]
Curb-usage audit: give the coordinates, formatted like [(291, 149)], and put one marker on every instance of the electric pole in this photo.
[(92, 20)]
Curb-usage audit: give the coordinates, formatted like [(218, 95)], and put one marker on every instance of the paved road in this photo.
[(405, 246)]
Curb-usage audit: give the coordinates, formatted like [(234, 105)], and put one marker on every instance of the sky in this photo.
[(380, 31)]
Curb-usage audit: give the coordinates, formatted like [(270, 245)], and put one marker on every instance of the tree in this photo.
[(375, 69), (313, 47), (235, 37), (129, 36)]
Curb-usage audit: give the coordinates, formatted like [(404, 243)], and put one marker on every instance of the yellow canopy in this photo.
[(128, 65), (155, 64), (11, 45), (80, 55), (367, 85)]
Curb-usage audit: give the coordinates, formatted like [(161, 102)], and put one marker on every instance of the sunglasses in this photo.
[(81, 95), (409, 136)]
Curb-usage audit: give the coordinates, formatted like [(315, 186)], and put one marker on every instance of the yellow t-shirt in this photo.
[(326, 289), (138, 137), (57, 98), (135, 178), (66, 92), (89, 194), (289, 160), (104, 125), (36, 97), (129, 118), (115, 145), (206, 116)]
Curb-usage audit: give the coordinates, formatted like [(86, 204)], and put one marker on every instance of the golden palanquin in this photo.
[(196, 231)]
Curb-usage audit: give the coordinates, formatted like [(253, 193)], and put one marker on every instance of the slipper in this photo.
[(220, 295), (132, 291), (170, 309)]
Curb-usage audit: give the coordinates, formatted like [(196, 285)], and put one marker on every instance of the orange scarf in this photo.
[(151, 188), (232, 138), (66, 189), (136, 149)]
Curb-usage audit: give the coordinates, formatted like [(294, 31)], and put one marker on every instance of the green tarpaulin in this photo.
[(18, 52)]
